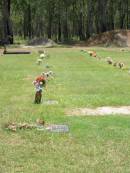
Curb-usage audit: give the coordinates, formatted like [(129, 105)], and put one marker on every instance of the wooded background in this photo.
[(62, 20)]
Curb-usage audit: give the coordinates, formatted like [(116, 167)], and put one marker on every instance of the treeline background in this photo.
[(62, 20)]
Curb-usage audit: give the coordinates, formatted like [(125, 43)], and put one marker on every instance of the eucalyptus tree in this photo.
[(62, 20), (7, 32)]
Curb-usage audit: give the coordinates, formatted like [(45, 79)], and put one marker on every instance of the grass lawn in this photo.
[(94, 144)]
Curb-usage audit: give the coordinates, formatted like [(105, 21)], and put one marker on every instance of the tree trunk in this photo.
[(24, 25), (81, 34), (29, 22), (59, 30), (7, 25), (65, 29), (128, 14), (49, 25), (110, 15), (90, 17), (27, 25), (102, 15)]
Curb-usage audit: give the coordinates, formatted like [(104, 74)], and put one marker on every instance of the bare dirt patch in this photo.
[(50, 102), (100, 111), (42, 41), (128, 39), (119, 38)]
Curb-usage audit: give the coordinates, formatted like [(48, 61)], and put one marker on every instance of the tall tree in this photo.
[(90, 18), (63, 20), (7, 24)]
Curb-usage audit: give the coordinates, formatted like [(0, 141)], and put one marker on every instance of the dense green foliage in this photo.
[(94, 144), (62, 20)]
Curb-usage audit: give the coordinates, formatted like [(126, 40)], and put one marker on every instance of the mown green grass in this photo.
[(94, 144)]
